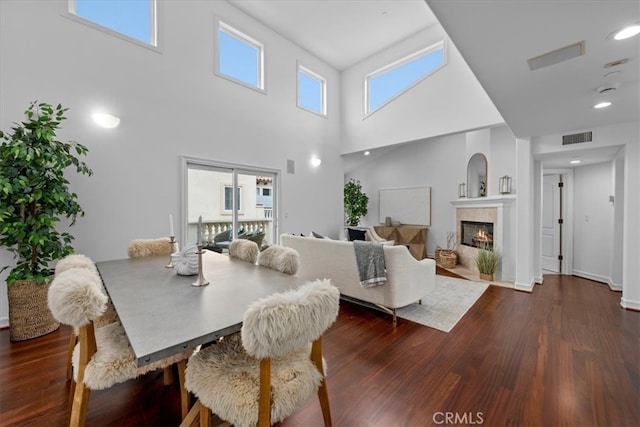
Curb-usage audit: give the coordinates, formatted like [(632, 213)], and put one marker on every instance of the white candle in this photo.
[(199, 238), (171, 233)]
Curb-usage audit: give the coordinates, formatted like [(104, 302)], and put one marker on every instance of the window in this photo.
[(239, 57), (389, 82), (228, 198), (312, 91), (266, 191), (135, 19)]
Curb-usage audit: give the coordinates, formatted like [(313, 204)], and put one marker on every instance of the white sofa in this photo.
[(408, 280)]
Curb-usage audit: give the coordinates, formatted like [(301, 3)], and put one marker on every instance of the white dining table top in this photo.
[(163, 314)]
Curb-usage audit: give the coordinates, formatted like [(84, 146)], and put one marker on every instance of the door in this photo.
[(551, 223)]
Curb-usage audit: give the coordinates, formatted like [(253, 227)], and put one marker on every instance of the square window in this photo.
[(239, 57), (312, 91)]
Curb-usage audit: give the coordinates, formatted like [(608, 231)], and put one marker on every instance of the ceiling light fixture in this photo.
[(105, 120), (575, 161), (315, 162), (600, 105), (627, 32), (366, 153)]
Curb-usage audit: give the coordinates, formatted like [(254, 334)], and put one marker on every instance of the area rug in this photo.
[(445, 306)]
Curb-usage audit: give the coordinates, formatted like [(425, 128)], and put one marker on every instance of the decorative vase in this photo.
[(29, 315), (487, 277)]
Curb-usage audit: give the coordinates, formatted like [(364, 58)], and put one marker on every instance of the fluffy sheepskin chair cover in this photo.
[(76, 298), (147, 247), (75, 261), (226, 376), (280, 258), (244, 249)]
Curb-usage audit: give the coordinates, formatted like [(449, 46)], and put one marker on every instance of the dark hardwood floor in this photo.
[(566, 354)]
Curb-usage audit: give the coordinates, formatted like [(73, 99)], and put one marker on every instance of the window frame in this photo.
[(155, 12), (243, 37), (398, 63), (238, 201), (323, 84)]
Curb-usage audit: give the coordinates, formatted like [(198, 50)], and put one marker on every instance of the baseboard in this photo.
[(525, 287), (4, 322), (601, 279), (538, 279), (629, 305)]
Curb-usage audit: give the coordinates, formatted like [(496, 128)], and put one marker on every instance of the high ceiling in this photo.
[(496, 38)]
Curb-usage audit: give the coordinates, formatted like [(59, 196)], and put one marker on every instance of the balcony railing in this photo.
[(212, 227)]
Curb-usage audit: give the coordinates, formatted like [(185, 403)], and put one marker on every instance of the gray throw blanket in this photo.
[(370, 262)]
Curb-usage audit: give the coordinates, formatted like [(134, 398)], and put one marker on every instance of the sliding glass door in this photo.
[(234, 201)]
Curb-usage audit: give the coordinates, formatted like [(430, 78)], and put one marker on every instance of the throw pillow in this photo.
[(316, 235), (356, 234)]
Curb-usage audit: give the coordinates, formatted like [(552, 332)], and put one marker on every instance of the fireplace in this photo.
[(476, 234)]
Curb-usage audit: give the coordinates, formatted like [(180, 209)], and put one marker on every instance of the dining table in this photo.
[(163, 314)]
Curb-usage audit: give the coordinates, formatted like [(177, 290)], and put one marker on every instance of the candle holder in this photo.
[(462, 191), (505, 184), (172, 242), (200, 281)]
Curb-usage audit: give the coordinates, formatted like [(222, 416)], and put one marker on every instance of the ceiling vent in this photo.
[(556, 56), (577, 138)]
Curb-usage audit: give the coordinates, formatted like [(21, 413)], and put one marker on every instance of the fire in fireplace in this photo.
[(476, 234)]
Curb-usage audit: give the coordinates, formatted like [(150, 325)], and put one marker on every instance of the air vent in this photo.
[(577, 138), (556, 56)]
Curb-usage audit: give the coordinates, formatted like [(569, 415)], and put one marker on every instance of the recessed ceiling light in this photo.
[(627, 32), (366, 153), (105, 120), (602, 105), (315, 162), (575, 161)]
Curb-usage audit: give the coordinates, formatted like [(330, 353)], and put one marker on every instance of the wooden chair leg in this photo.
[(323, 393), (168, 375), (264, 405), (184, 394), (193, 416), (205, 416), (79, 406), (73, 339)]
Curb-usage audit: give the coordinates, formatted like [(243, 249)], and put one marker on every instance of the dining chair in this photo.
[(269, 370), (147, 247), (244, 249), (103, 356), (281, 258), (109, 316)]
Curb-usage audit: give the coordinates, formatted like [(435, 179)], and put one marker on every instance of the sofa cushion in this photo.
[(355, 234)]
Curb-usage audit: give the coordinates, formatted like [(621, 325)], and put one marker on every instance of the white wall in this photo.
[(171, 104), (449, 101), (593, 221)]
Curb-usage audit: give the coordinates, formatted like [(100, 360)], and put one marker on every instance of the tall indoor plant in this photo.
[(355, 202), (487, 260), (34, 197)]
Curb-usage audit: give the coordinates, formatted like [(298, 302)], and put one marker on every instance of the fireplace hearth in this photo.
[(476, 234)]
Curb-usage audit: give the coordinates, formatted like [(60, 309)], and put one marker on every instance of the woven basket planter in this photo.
[(29, 315), (446, 258)]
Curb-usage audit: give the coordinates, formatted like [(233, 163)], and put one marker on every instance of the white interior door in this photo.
[(550, 223)]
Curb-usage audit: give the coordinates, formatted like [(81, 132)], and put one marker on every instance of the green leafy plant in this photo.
[(355, 202), (487, 260), (34, 193)]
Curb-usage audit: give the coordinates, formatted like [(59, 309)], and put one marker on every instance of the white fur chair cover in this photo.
[(244, 249), (226, 378), (75, 261), (76, 298), (147, 247), (280, 258)]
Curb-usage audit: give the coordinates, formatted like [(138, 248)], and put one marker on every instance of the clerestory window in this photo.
[(389, 82), (133, 19), (312, 91), (239, 57)]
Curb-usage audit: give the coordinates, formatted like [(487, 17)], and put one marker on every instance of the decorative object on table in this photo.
[(487, 260), (273, 367), (505, 184), (462, 190), (172, 242), (447, 258), (200, 280), (185, 262), (35, 196), (387, 221), (355, 202)]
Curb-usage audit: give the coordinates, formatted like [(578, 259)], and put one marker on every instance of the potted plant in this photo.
[(355, 202), (487, 262), (34, 197)]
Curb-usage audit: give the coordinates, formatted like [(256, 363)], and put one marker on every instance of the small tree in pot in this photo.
[(355, 202), (34, 196), (487, 260)]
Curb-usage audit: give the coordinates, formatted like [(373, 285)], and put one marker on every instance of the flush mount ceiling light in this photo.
[(105, 120), (627, 32), (575, 161), (366, 153), (315, 162), (600, 105)]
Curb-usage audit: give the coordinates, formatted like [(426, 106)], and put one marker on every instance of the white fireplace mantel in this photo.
[(483, 202)]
